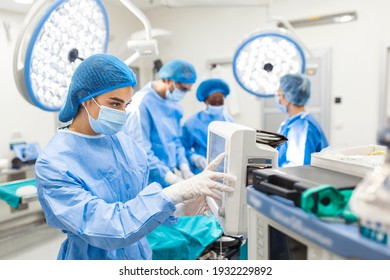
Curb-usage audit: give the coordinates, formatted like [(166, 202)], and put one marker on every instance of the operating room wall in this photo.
[(19, 120), (202, 34)]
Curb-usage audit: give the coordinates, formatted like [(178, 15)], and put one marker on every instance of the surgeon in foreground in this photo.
[(92, 181)]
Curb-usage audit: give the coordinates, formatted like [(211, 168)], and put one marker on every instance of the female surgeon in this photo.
[(92, 180), (213, 93), (304, 133)]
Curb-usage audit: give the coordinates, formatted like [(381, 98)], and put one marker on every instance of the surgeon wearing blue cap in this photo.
[(213, 93), (157, 111), (304, 133), (92, 179)]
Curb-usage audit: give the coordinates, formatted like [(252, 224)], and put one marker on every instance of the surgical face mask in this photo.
[(175, 95), (214, 110), (281, 108), (109, 122)]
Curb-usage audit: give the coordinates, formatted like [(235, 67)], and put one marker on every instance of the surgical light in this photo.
[(147, 46), (263, 58), (53, 29)]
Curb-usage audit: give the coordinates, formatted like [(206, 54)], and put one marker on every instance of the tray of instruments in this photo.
[(356, 161)]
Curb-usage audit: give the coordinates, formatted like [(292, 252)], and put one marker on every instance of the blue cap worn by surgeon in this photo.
[(96, 75), (296, 88), (179, 71), (210, 86)]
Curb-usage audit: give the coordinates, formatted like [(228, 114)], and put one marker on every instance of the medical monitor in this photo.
[(273, 241), (243, 155)]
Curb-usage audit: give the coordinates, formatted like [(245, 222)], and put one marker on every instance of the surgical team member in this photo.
[(92, 180), (213, 93), (304, 133), (156, 109)]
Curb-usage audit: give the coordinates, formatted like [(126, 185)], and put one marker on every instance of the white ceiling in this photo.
[(148, 4), (10, 5), (141, 4)]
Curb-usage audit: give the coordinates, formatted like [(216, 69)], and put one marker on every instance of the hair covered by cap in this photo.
[(96, 75), (296, 88), (210, 86), (179, 71)]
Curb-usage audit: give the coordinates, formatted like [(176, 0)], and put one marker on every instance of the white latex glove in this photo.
[(202, 184), (196, 206), (193, 207), (186, 171), (199, 161), (171, 178)]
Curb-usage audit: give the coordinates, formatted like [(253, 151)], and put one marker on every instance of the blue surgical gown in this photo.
[(94, 189), (195, 131), (159, 120), (305, 137)]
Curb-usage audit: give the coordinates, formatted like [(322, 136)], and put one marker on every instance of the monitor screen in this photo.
[(217, 146), (284, 247)]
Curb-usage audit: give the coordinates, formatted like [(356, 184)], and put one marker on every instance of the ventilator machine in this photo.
[(243, 155)]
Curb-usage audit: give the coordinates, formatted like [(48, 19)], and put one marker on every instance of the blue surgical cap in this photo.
[(296, 88), (210, 86), (179, 71), (97, 74)]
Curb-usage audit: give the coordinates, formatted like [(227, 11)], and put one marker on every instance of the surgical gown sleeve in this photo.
[(295, 154), (315, 142), (188, 141), (69, 205), (180, 150), (156, 166)]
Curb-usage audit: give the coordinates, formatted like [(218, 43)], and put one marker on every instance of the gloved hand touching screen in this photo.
[(202, 184)]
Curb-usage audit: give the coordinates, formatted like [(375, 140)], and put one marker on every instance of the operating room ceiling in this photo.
[(10, 5), (148, 4)]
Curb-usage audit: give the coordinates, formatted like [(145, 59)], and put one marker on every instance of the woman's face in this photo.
[(116, 99), (215, 99), (280, 96)]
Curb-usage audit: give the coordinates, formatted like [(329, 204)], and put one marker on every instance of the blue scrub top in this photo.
[(94, 188), (195, 131), (305, 137)]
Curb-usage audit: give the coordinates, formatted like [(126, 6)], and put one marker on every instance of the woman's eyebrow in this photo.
[(117, 99)]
